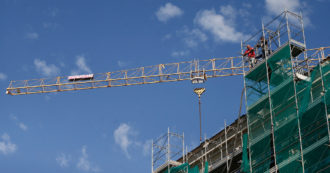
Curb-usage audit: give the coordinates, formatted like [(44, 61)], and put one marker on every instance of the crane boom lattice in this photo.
[(210, 68)]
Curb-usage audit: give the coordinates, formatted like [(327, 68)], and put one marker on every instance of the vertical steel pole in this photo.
[(279, 38), (305, 52), (323, 91), (269, 99), (200, 119), (206, 144), (302, 28), (152, 156), (246, 107), (226, 147), (183, 148), (187, 155), (295, 93), (168, 150)]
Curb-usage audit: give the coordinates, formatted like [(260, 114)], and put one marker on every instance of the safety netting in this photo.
[(185, 168), (313, 115), (298, 109), (284, 111), (245, 166)]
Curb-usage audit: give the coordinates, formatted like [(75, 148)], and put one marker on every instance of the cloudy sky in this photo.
[(109, 130)]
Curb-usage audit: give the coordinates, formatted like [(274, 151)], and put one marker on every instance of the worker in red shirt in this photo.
[(251, 55)]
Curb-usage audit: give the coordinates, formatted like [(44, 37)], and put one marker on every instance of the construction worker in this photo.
[(263, 44), (251, 55)]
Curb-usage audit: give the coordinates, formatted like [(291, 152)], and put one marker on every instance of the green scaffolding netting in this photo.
[(295, 107), (185, 168), (245, 166), (313, 116), (284, 111)]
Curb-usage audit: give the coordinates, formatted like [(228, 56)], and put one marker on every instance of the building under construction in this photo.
[(287, 101), (286, 126)]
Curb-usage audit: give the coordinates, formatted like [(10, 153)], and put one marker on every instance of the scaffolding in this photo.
[(219, 153), (287, 100), (165, 151), (223, 151)]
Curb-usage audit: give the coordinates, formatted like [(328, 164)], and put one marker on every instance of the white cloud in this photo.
[(230, 14), (32, 35), (6, 147), (123, 137), (247, 5), (3, 76), (228, 10), (167, 37), (221, 28), (47, 97), (84, 164), (50, 25), (46, 70), (81, 63), (53, 12), (275, 7), (180, 53), (63, 160), (193, 37), (22, 126), (190, 42), (13, 117), (62, 64), (167, 12), (196, 34), (147, 147), (122, 63), (82, 66), (278, 6)]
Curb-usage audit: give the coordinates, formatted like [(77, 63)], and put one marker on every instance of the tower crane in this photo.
[(197, 71)]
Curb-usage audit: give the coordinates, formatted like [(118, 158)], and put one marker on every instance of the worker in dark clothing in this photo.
[(251, 55), (263, 44)]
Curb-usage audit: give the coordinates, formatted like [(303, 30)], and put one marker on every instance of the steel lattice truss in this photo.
[(217, 67), (145, 75)]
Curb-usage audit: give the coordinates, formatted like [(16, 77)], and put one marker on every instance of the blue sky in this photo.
[(109, 130)]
